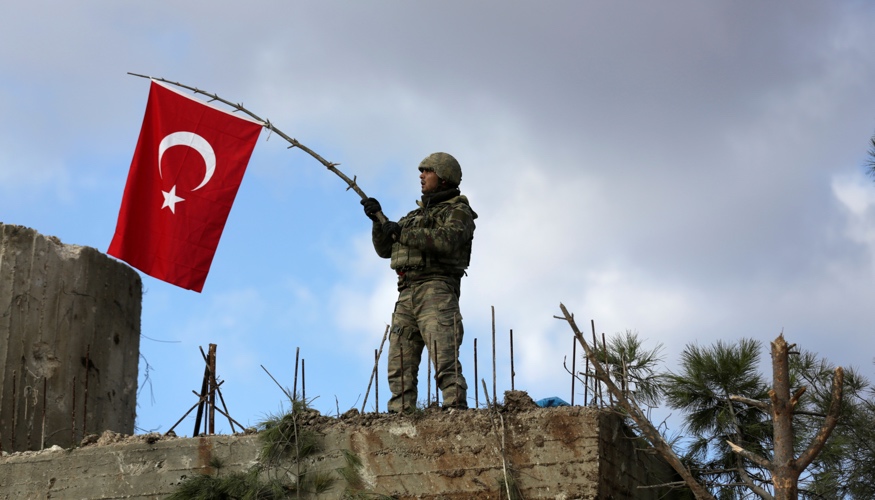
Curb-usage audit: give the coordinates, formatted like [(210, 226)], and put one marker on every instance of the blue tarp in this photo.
[(551, 402)]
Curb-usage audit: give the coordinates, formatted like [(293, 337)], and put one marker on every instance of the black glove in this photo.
[(372, 206), (392, 229)]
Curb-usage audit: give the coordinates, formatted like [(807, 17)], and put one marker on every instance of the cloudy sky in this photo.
[(690, 170)]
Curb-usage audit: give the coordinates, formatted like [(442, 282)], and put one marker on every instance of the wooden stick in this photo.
[(351, 183)]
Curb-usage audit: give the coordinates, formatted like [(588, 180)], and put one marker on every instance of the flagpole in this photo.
[(351, 183)]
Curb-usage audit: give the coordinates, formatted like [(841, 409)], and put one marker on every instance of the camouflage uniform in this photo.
[(430, 258)]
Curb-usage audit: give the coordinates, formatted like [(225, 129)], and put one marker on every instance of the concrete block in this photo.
[(69, 341)]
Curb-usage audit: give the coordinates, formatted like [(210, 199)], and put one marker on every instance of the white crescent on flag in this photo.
[(195, 142)]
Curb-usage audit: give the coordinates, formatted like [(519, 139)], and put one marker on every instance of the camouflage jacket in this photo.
[(435, 241)]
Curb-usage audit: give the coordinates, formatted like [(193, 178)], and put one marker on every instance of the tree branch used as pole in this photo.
[(351, 183)]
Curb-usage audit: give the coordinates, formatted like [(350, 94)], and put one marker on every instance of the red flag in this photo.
[(187, 167)]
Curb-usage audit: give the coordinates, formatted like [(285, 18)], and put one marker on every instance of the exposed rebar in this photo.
[(374, 373), (494, 383), (512, 373), (436, 375), (476, 390), (212, 413), (574, 369), (376, 387), (295, 383)]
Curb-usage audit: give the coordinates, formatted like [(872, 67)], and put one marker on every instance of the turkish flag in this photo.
[(187, 167)]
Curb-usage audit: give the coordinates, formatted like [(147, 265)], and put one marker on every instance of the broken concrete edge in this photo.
[(515, 401)]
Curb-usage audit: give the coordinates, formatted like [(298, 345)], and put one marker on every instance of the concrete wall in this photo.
[(558, 453), (69, 341)]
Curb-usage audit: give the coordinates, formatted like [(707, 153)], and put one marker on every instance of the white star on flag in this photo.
[(170, 199)]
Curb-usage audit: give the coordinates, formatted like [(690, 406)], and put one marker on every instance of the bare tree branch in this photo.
[(762, 405), (829, 423), (798, 394), (753, 457)]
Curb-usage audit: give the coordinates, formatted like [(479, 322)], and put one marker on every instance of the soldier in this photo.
[(429, 249)]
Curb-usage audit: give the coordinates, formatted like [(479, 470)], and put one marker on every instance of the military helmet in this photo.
[(444, 165)]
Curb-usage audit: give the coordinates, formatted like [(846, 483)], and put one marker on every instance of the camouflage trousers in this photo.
[(426, 316)]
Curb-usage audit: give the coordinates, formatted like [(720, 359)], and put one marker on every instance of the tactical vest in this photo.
[(416, 262)]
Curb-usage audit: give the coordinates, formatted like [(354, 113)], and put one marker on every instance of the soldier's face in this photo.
[(429, 181)]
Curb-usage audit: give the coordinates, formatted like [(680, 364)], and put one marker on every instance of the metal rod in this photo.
[(230, 420), (586, 384), (303, 381), (607, 368), (205, 385), (401, 354), (284, 389), (512, 373), (376, 387), (596, 383), (476, 390), (436, 401), (212, 420), (183, 417), (494, 383), (374, 374), (456, 357), (295, 384), (573, 367)]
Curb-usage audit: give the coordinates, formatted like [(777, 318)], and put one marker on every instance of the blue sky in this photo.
[(693, 171)]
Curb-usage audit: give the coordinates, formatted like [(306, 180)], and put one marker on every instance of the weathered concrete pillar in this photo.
[(69, 341)]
